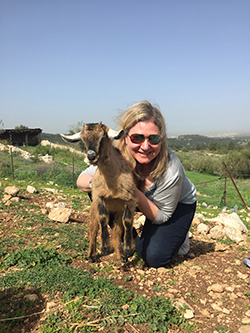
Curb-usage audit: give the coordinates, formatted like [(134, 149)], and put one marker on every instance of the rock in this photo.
[(218, 288), (230, 220), (51, 190), (244, 329), (205, 313), (60, 214), (31, 189), (184, 307), (242, 276), (6, 197), (49, 205), (162, 270), (216, 307), (198, 218), (202, 229), (217, 232), (11, 190), (246, 321), (59, 205), (139, 222), (47, 158), (50, 305), (220, 247), (15, 199), (31, 297), (233, 234), (44, 211)]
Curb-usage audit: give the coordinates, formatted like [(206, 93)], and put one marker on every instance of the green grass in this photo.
[(35, 254)]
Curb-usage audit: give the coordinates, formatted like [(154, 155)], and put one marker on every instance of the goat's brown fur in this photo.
[(113, 193)]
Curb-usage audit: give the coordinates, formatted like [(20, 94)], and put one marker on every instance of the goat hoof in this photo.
[(92, 259), (129, 252), (105, 250), (124, 259)]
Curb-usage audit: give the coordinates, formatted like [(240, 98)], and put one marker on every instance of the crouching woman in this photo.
[(165, 195)]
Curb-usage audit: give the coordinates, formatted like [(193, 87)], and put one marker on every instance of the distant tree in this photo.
[(214, 146), (21, 127), (231, 146)]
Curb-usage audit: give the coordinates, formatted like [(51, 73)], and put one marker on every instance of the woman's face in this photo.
[(143, 152)]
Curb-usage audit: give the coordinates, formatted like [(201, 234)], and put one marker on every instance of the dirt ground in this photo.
[(211, 279)]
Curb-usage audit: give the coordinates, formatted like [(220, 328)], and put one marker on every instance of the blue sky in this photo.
[(65, 61)]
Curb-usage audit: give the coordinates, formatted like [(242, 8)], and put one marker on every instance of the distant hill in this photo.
[(190, 141), (193, 140), (54, 138)]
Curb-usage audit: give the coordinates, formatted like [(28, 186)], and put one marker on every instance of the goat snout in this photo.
[(91, 155)]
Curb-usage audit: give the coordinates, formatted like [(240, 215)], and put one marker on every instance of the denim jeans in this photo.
[(159, 243)]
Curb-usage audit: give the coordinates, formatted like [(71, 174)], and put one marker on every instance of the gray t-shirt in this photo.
[(166, 192)]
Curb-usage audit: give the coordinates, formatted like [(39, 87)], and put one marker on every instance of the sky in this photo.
[(66, 61)]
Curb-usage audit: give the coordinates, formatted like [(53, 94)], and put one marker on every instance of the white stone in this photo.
[(230, 220), (31, 297), (233, 234), (217, 232), (31, 189), (202, 229), (60, 214), (11, 190)]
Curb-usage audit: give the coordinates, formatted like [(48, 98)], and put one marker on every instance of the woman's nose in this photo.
[(145, 144)]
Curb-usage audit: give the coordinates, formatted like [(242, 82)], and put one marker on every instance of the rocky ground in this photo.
[(211, 280)]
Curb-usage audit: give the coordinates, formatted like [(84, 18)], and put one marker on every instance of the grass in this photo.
[(35, 254)]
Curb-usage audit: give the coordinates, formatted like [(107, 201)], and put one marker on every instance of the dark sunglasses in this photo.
[(153, 139)]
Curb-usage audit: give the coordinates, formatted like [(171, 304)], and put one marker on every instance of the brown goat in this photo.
[(113, 191)]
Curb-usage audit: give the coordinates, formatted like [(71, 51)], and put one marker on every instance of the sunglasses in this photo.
[(153, 139)]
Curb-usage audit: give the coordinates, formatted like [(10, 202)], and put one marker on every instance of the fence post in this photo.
[(12, 165), (234, 184), (73, 162), (225, 189)]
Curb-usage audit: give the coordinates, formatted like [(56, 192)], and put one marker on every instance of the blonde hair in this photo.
[(144, 111)]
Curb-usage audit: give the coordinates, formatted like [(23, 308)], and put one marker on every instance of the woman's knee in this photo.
[(155, 258)]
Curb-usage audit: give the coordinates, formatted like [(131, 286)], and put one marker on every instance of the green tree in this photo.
[(214, 146), (231, 146), (21, 127)]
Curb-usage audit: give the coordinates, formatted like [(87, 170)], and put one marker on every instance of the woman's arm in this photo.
[(83, 182), (146, 206)]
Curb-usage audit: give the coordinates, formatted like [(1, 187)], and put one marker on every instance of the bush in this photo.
[(238, 164)]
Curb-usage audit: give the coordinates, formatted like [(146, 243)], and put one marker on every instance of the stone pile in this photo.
[(225, 225)]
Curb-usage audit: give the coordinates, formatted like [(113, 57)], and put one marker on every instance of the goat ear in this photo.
[(71, 138), (116, 135)]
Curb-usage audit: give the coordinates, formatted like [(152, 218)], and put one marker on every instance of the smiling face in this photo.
[(143, 152)]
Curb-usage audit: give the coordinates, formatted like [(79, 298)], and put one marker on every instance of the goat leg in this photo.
[(104, 220), (93, 231), (117, 240), (128, 235)]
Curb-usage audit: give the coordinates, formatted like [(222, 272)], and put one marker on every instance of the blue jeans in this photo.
[(160, 243)]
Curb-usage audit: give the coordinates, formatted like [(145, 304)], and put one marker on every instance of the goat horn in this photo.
[(71, 138)]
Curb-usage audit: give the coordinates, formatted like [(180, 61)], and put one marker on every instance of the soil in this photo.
[(211, 279)]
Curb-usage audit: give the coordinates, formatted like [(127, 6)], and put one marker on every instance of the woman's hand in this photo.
[(146, 206)]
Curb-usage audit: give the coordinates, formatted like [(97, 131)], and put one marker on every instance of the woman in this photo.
[(165, 195)]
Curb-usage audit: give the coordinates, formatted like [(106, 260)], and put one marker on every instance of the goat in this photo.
[(113, 191)]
